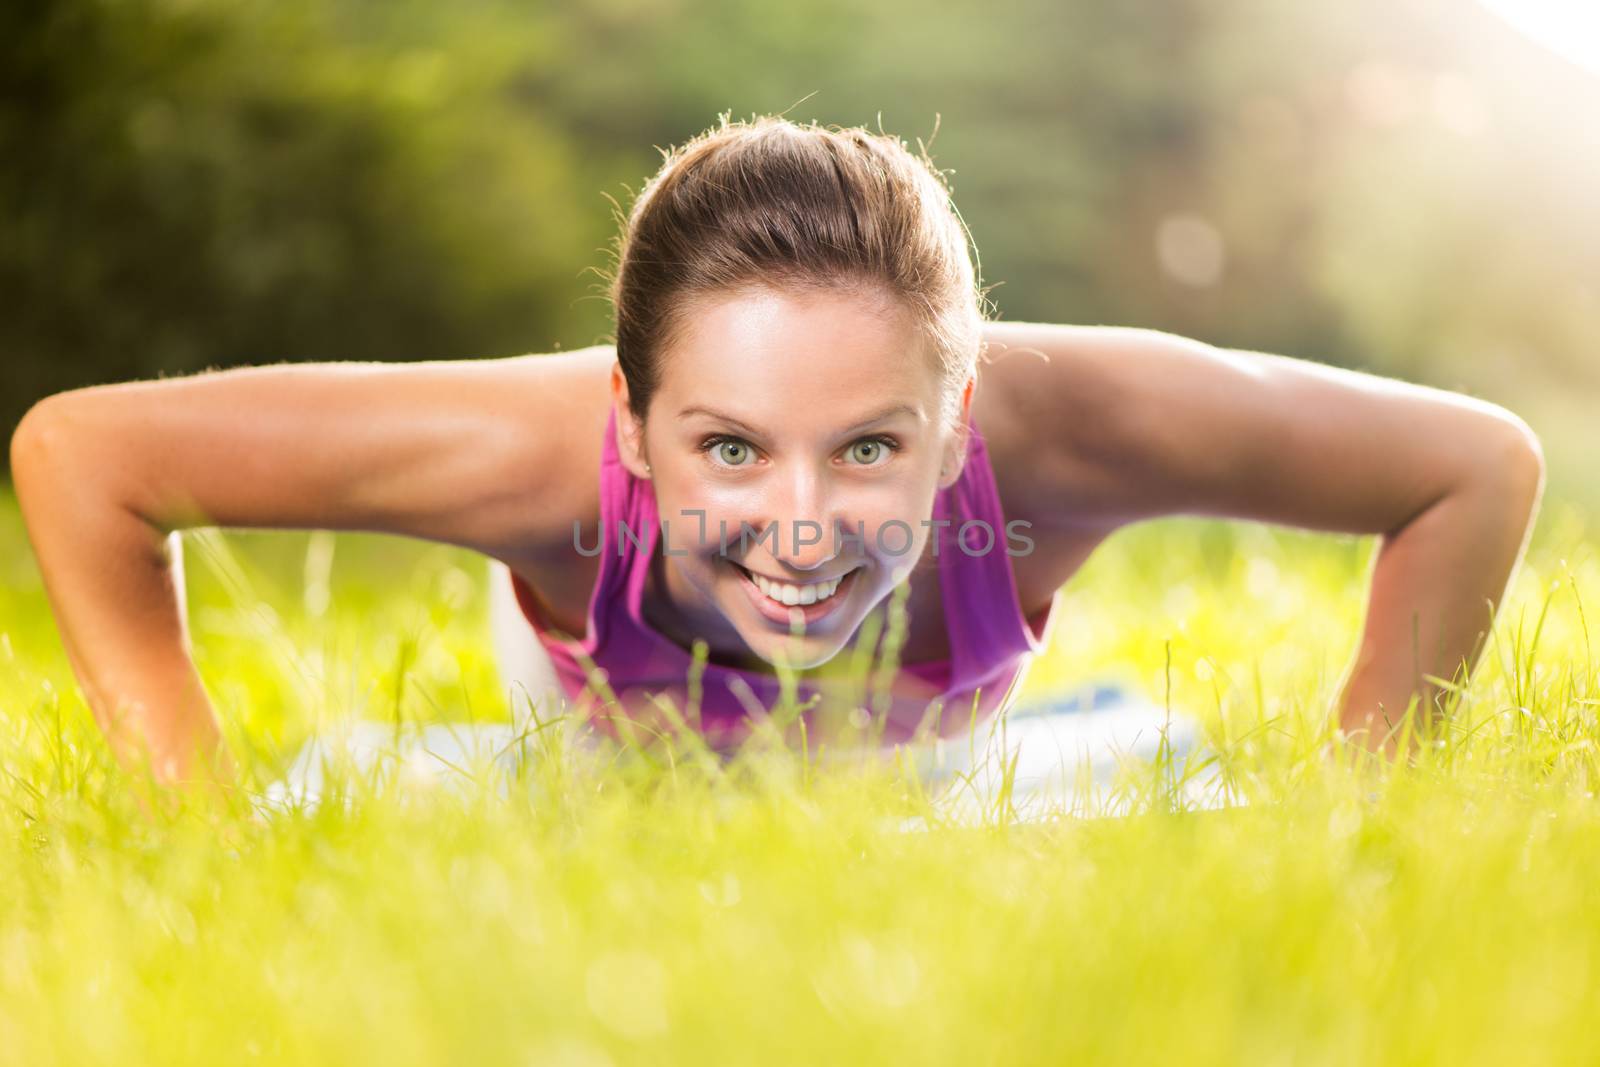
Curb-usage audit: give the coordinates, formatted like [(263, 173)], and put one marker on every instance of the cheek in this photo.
[(898, 536), (717, 511), (897, 526), (700, 525)]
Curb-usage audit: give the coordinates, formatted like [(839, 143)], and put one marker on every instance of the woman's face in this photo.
[(808, 422)]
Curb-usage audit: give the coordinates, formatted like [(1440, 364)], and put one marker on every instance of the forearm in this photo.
[(116, 593), (1435, 584)]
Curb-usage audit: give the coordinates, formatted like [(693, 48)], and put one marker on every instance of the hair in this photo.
[(774, 204)]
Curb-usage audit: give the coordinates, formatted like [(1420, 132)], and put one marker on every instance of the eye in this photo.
[(729, 451), (870, 450)]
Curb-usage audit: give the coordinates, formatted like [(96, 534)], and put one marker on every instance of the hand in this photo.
[(209, 780)]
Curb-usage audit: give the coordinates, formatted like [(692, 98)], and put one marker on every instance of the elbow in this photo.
[(36, 437), (47, 446), (1516, 462)]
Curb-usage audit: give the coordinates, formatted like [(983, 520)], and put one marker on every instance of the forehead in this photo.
[(797, 346)]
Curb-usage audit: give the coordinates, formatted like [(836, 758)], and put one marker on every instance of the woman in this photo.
[(802, 389)]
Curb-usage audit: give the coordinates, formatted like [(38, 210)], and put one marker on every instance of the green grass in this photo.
[(774, 912)]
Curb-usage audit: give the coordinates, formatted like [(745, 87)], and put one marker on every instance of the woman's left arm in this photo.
[(1144, 423)]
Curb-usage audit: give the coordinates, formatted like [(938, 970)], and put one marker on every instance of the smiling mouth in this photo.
[(788, 594)]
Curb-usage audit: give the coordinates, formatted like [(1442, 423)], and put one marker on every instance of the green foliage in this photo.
[(205, 184), (187, 184)]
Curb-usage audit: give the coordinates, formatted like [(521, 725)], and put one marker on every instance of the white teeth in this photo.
[(790, 595)]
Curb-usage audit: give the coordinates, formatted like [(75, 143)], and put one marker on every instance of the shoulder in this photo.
[(1056, 405), (569, 482)]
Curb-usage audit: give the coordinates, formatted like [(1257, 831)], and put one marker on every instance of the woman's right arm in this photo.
[(465, 452)]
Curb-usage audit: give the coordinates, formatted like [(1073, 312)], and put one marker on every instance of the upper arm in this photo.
[(467, 452), (1137, 423)]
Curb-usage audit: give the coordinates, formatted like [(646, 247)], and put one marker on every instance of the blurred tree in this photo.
[(188, 185), (1405, 186)]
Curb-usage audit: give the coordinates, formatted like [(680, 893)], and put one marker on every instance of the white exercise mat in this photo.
[(1093, 754)]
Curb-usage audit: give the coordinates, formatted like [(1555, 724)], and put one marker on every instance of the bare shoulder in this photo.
[(570, 485), (1045, 477), (1046, 398)]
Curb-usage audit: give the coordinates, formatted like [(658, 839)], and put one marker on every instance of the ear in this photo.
[(630, 432), (955, 454)]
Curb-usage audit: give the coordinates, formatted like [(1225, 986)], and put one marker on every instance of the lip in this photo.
[(782, 614)]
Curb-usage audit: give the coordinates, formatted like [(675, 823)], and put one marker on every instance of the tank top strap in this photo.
[(983, 616), (630, 526), (606, 641)]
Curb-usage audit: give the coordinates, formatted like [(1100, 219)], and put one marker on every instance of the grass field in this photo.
[(772, 913)]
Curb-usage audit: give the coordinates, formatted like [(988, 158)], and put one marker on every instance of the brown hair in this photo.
[(773, 203)]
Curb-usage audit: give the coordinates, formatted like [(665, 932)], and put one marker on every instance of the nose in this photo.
[(805, 515)]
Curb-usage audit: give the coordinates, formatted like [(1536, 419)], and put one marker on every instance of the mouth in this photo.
[(779, 601)]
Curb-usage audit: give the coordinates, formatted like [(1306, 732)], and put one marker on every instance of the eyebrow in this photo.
[(878, 416)]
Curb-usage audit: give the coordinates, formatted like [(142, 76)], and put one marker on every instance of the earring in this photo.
[(647, 468)]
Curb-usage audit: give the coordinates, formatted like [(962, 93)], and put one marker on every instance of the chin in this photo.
[(804, 654)]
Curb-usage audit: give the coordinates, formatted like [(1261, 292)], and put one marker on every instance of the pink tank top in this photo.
[(991, 642)]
